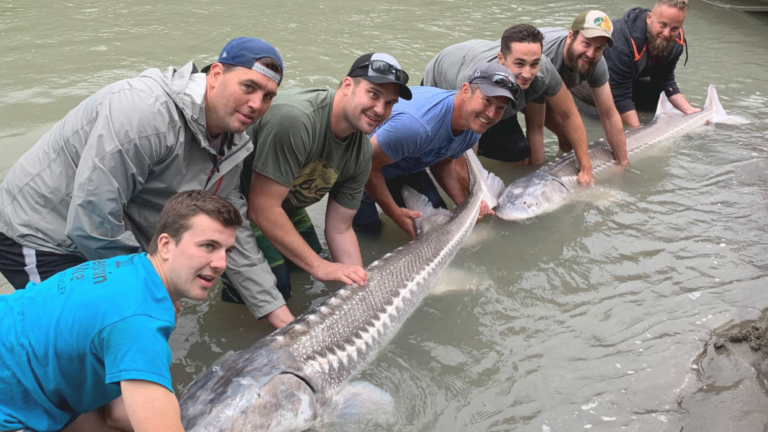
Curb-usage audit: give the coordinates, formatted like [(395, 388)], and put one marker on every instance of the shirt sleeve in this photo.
[(599, 75), (136, 348), (282, 140), (546, 84), (401, 136), (621, 69), (664, 77), (349, 192), (130, 134), (246, 266)]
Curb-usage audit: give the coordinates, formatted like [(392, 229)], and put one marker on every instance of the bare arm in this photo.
[(563, 105), (630, 119), (340, 236), (265, 209), (376, 187), (680, 102), (151, 407), (453, 177), (609, 116), (534, 128)]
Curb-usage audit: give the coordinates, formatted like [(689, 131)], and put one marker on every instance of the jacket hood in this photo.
[(635, 21), (186, 86)]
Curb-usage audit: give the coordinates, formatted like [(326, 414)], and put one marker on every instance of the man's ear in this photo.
[(346, 85), (164, 246)]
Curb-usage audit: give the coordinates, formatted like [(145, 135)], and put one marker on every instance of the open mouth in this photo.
[(486, 121), (207, 280), (372, 119)]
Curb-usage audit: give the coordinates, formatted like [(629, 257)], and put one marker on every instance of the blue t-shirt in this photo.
[(66, 343), (418, 134)]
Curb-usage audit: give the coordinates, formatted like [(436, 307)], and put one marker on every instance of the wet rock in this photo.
[(736, 336), (719, 343)]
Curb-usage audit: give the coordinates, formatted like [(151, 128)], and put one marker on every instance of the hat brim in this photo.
[(405, 92), (492, 90), (593, 32)]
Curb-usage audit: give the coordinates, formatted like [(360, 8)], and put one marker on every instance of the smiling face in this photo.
[(523, 61), (367, 105), (481, 111), (199, 257), (663, 26), (236, 98), (582, 54)]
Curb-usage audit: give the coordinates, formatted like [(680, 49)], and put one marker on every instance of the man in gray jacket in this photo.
[(93, 186)]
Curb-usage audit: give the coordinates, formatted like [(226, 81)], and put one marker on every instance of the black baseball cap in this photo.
[(380, 68)]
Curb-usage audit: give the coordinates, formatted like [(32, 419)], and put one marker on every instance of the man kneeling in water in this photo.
[(87, 349)]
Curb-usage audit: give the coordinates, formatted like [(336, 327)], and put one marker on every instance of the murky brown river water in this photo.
[(592, 317)]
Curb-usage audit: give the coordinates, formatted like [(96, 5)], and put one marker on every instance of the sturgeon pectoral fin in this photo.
[(430, 216), (360, 403), (494, 184)]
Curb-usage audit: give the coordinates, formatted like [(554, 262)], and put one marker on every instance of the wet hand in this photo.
[(348, 274), (692, 110), (485, 210), (586, 178), (404, 220)]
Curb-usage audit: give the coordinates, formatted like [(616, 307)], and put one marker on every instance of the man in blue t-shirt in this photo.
[(87, 349), (433, 130)]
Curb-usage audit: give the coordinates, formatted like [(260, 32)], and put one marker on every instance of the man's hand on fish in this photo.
[(348, 274), (485, 210), (586, 178), (404, 220)]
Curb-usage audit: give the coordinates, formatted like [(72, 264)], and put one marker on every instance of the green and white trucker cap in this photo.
[(594, 23)]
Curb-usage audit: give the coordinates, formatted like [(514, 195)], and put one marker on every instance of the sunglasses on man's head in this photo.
[(502, 81), (383, 68)]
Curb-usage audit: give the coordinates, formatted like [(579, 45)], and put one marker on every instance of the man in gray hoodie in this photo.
[(93, 186)]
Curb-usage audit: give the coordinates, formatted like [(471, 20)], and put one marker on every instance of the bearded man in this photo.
[(577, 54), (642, 62)]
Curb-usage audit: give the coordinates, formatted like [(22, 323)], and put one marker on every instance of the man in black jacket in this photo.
[(648, 44)]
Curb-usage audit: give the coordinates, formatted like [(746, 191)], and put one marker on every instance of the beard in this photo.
[(573, 61), (657, 47)]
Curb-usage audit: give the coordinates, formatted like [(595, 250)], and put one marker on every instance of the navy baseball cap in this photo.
[(380, 68), (246, 51)]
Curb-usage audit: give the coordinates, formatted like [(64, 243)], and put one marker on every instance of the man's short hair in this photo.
[(525, 33), (679, 4), (182, 207), (267, 62)]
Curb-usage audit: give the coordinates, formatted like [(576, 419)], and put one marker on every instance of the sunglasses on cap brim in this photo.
[(383, 68), (503, 82)]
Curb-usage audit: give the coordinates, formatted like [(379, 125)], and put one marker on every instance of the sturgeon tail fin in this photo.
[(494, 185), (430, 216), (720, 116)]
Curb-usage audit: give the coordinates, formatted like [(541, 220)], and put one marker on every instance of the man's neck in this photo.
[(339, 125), (159, 265), (458, 124)]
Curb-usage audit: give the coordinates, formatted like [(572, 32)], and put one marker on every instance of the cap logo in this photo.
[(223, 54), (604, 23)]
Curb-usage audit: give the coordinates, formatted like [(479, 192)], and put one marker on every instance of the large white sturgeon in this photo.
[(545, 189), (286, 380)]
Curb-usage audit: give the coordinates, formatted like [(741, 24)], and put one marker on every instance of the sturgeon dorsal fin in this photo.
[(495, 185), (665, 107), (430, 216)]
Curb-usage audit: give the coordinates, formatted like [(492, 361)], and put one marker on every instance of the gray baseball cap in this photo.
[(495, 79)]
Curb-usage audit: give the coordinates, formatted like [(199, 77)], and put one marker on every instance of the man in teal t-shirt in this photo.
[(313, 143), (92, 341)]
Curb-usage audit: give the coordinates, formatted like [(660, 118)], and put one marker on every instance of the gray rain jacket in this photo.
[(94, 185)]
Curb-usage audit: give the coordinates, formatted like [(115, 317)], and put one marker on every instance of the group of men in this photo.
[(154, 185)]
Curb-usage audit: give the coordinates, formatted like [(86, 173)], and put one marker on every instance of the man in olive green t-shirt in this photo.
[(312, 143)]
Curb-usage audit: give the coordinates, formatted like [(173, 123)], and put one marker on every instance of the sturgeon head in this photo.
[(531, 196), (290, 379)]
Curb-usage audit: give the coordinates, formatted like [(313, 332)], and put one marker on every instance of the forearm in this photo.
[(614, 133), (344, 246), (630, 119), (449, 175), (534, 128), (680, 102), (377, 189), (279, 229), (577, 135)]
